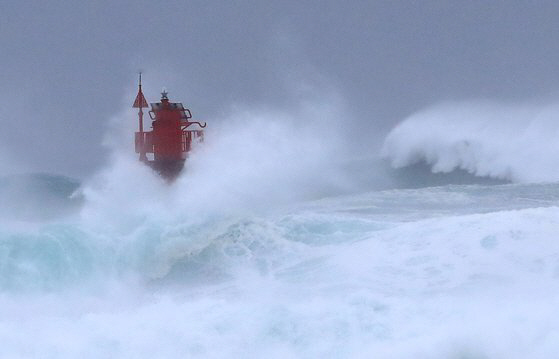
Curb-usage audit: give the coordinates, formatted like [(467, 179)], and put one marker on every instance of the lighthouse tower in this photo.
[(165, 148)]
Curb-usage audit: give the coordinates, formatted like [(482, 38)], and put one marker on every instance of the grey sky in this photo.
[(65, 66)]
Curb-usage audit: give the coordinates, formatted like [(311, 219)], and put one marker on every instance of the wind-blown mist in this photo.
[(513, 142)]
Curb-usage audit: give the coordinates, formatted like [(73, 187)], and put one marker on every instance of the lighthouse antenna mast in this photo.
[(140, 103)]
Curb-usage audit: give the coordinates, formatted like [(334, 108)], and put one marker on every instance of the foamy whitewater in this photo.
[(271, 246)]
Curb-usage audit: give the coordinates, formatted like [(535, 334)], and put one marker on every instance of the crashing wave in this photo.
[(517, 143)]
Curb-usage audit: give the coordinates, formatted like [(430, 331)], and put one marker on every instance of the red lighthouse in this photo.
[(171, 137)]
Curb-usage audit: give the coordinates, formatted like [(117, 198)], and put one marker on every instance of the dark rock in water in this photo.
[(38, 196)]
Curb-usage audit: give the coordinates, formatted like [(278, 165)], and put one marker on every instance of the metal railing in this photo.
[(187, 137)]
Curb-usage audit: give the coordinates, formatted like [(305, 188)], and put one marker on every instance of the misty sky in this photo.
[(66, 67)]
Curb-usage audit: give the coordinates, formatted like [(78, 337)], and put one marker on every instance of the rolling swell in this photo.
[(199, 250), (53, 257)]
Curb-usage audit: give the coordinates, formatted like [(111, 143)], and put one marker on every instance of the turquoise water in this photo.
[(455, 271)]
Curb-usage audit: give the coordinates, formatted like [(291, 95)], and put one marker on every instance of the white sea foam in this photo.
[(337, 278)]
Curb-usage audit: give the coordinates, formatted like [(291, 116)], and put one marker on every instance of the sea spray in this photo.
[(241, 263)]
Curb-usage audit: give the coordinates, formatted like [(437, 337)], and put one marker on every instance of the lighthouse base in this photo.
[(169, 170)]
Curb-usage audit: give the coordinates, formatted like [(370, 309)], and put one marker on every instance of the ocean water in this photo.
[(255, 253), (455, 271)]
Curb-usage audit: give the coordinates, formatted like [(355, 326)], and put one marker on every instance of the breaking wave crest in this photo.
[(517, 143)]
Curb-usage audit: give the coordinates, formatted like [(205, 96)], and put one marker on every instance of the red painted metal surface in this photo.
[(171, 137)]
